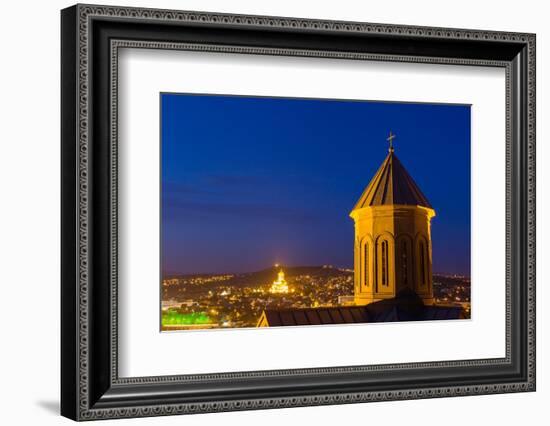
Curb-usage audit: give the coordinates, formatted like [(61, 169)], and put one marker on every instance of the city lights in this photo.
[(219, 302)]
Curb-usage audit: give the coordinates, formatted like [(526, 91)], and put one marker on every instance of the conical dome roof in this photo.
[(392, 185)]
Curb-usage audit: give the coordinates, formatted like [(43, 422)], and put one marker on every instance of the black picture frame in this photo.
[(90, 386)]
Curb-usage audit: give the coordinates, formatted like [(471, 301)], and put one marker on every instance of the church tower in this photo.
[(393, 246)]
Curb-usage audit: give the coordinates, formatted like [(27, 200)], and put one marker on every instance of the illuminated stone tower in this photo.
[(393, 246)]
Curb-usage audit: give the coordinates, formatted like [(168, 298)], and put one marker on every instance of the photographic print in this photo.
[(305, 212)]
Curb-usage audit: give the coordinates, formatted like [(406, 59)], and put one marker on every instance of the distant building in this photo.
[(170, 304), (392, 258), (279, 285), (346, 300)]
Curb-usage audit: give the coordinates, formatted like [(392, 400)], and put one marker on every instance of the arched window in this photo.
[(384, 261), (404, 262), (366, 264)]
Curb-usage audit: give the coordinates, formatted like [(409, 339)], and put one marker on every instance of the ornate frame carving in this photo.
[(91, 388)]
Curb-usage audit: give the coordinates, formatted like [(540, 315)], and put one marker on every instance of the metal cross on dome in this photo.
[(390, 139)]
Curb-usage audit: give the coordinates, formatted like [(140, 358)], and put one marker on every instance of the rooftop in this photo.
[(406, 307), (392, 185)]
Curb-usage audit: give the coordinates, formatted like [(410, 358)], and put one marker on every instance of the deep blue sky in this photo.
[(248, 182)]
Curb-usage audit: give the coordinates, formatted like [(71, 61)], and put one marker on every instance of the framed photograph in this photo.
[(263, 212), (257, 227)]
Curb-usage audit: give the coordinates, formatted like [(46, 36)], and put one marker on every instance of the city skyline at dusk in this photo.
[(248, 182)]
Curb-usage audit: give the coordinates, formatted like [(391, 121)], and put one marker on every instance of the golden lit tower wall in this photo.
[(393, 246)]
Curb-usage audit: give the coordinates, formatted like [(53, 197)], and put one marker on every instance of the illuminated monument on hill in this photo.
[(280, 285)]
